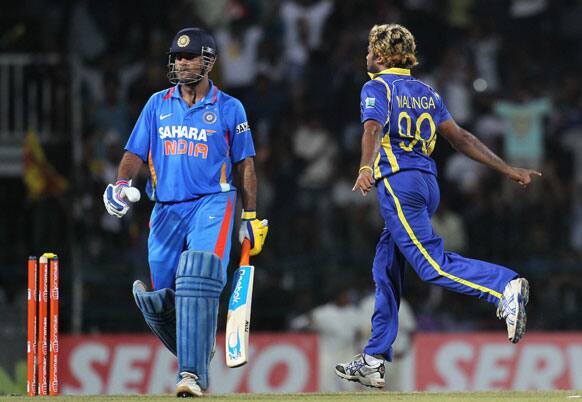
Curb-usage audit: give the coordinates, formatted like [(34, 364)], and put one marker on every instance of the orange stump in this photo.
[(54, 327), (43, 326), (31, 382), (42, 346)]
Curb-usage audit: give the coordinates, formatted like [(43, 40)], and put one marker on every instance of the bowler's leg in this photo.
[(407, 199), (408, 220), (388, 271)]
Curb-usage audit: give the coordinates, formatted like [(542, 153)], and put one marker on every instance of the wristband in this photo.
[(366, 167), (122, 182), (249, 215)]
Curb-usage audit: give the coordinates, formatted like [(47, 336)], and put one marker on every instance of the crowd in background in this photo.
[(509, 71)]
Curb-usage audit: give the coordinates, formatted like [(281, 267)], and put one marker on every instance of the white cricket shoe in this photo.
[(512, 308), (188, 386), (360, 371)]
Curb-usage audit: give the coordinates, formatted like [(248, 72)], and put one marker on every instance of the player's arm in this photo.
[(242, 155), (129, 166), (465, 142), (370, 148), (248, 183), (251, 228)]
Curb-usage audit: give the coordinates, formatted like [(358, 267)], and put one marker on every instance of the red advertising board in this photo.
[(140, 364), (487, 361)]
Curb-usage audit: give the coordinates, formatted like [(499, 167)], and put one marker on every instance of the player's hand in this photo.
[(118, 196), (364, 182), (522, 176), (253, 229)]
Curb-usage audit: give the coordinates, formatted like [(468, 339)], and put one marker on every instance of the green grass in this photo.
[(545, 396)]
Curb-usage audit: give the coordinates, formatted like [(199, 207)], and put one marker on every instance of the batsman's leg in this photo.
[(199, 282), (158, 306), (158, 309)]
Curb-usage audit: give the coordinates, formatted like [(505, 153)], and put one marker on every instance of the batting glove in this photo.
[(253, 229), (118, 196)]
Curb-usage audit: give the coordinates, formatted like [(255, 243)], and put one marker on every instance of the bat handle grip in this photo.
[(246, 252)]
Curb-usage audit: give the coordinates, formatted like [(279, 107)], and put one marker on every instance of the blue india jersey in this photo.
[(190, 151), (410, 112)]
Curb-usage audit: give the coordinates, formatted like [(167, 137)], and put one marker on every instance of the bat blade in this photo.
[(239, 314)]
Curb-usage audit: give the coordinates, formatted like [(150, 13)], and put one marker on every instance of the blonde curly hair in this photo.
[(394, 44)]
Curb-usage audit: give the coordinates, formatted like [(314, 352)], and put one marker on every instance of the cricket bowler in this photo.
[(401, 117)]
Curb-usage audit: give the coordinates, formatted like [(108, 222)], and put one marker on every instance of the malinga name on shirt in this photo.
[(415, 102), (192, 133)]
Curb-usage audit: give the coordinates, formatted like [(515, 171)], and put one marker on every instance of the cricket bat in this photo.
[(238, 320)]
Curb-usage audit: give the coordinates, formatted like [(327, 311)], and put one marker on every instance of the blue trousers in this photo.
[(408, 199), (204, 224)]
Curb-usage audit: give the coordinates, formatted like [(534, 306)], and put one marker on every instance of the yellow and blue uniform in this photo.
[(190, 152), (410, 112)]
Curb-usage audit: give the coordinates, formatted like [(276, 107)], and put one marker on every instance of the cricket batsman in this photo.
[(401, 116), (193, 137)]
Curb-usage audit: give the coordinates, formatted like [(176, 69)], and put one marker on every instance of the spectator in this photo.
[(111, 115), (524, 135), (337, 323), (304, 21), (449, 225), (239, 43)]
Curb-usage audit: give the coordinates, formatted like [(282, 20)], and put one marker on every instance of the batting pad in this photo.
[(158, 309), (199, 282)]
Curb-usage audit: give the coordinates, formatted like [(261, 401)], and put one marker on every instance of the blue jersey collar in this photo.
[(210, 98)]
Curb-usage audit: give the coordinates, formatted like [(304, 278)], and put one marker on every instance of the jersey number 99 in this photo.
[(427, 142)]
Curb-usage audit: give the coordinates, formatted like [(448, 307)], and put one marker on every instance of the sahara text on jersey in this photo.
[(192, 133)]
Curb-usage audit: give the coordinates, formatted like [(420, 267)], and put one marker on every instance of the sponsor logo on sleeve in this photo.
[(370, 103), (242, 127)]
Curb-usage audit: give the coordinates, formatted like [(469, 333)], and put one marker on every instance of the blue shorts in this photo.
[(203, 224)]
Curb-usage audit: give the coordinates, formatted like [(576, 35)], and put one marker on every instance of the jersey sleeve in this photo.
[(374, 102), (241, 138), (139, 140), (442, 113)]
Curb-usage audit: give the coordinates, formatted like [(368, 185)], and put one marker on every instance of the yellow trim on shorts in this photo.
[(425, 253)]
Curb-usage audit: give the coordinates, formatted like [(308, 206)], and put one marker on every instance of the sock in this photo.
[(371, 360)]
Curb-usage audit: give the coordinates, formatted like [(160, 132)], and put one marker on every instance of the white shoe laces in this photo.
[(355, 365), (507, 307)]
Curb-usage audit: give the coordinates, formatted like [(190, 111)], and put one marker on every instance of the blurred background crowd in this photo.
[(508, 70)]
